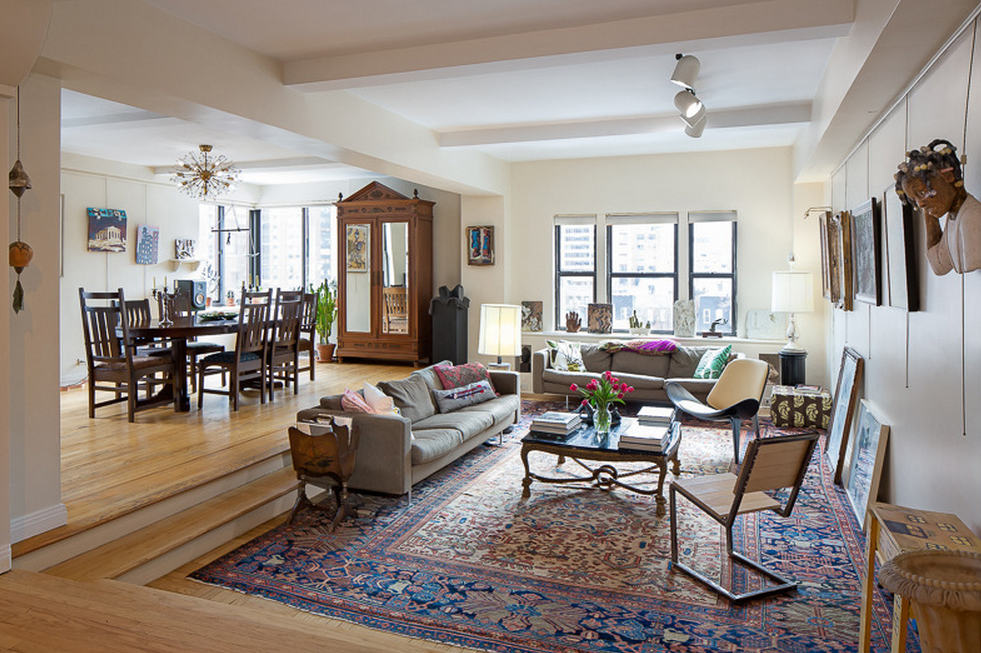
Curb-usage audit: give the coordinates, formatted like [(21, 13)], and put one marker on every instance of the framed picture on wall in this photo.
[(865, 464), (829, 259), (480, 245), (841, 235), (902, 288), (356, 247), (107, 230), (846, 394), (866, 238)]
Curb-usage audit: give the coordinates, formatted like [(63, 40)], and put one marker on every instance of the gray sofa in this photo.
[(396, 452), (647, 374)]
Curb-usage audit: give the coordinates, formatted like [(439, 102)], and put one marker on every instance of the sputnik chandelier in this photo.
[(205, 176), (691, 108)]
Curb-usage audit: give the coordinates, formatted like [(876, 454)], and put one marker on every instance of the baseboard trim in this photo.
[(5, 559), (38, 522)]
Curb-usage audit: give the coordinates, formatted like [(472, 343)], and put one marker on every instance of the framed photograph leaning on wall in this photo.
[(865, 463)]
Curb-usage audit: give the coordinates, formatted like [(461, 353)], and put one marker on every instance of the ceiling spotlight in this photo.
[(685, 71), (695, 130), (689, 105)]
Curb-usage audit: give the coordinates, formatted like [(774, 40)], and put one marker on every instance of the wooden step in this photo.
[(44, 613), (115, 558)]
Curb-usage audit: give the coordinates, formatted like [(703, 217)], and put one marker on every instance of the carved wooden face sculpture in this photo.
[(935, 199)]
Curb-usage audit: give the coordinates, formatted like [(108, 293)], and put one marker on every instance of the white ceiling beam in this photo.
[(746, 23), (745, 117), (113, 119), (293, 163)]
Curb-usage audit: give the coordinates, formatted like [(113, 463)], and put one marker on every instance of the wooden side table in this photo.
[(894, 530)]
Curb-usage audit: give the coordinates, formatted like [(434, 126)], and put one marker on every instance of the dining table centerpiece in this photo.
[(601, 395)]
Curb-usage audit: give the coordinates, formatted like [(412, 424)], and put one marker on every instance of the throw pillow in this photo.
[(412, 397), (566, 356), (713, 362), (468, 395), (455, 376), (352, 402), (379, 402)]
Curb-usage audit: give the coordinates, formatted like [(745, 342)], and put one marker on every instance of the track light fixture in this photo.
[(692, 109)]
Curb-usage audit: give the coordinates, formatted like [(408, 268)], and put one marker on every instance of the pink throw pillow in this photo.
[(352, 402), (457, 376)]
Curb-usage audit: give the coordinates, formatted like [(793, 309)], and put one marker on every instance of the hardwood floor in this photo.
[(110, 467)]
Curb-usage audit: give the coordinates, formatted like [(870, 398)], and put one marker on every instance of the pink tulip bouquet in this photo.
[(600, 394)]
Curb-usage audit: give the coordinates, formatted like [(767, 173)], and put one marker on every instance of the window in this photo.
[(321, 263), (643, 272), (281, 246), (575, 267), (712, 277)]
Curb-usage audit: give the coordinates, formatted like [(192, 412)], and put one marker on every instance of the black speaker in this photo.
[(196, 290)]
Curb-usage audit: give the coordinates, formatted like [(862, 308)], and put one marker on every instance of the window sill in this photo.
[(697, 340)]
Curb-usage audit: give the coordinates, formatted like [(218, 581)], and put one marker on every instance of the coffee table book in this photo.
[(556, 423), (656, 415), (646, 438)]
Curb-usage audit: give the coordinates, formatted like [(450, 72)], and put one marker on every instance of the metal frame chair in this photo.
[(771, 464), (110, 356), (737, 396)]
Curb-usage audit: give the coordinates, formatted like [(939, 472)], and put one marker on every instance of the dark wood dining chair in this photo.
[(283, 352), (308, 333), (770, 464), (110, 355), (325, 460), (195, 348), (247, 362), (138, 315)]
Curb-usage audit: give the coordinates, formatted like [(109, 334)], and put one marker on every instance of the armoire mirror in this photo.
[(395, 277), (357, 252)]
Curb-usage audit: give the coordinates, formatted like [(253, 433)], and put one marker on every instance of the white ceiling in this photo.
[(596, 103), (292, 29)]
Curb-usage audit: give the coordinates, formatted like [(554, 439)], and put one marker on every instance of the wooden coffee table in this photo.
[(585, 444)]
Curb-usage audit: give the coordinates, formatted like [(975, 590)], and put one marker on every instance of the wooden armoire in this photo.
[(384, 275)]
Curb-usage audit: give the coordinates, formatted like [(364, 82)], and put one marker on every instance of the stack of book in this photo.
[(656, 415), (556, 423), (643, 437)]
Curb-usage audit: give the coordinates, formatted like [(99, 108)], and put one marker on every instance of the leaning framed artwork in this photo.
[(480, 245), (902, 289), (846, 393), (866, 262), (356, 250), (865, 463)]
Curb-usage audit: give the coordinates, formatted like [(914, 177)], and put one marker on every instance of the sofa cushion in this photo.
[(568, 378), (428, 374), (633, 363), (467, 395), (467, 423), (412, 396), (594, 358), (641, 381), (457, 376), (430, 444), (501, 409), (712, 363), (684, 360), (566, 356)]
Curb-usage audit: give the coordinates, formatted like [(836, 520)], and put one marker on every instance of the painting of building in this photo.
[(107, 230)]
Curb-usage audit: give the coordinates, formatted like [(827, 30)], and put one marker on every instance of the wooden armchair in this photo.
[(181, 308), (326, 461), (770, 464), (110, 355), (283, 352), (308, 333)]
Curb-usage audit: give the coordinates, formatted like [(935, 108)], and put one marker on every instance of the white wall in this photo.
[(35, 429), (6, 112), (934, 451), (756, 183)]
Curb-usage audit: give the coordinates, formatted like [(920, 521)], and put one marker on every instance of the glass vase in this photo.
[(602, 419)]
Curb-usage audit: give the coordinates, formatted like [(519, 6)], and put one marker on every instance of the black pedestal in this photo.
[(792, 367)]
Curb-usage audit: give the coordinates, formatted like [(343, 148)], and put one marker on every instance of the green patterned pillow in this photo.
[(713, 362), (566, 356)]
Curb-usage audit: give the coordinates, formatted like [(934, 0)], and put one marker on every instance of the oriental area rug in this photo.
[(469, 563)]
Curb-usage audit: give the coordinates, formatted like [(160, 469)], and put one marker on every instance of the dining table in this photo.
[(178, 332)]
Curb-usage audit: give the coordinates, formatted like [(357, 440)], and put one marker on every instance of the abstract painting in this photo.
[(902, 288), (865, 467), (147, 244), (356, 247), (531, 316), (600, 318), (480, 245), (184, 249), (107, 230), (849, 379), (865, 251)]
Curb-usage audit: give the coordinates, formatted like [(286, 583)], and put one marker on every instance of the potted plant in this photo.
[(326, 312)]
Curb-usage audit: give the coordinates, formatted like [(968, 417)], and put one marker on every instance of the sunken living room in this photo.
[(549, 327)]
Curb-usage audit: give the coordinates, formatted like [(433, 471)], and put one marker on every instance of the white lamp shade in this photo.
[(500, 330), (685, 71), (793, 292)]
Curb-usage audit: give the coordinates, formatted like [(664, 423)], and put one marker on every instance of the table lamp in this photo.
[(793, 292), (500, 332)]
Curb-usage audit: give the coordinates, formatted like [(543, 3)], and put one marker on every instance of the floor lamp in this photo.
[(500, 333)]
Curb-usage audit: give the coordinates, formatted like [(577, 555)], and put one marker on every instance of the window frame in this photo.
[(732, 275), (610, 274), (559, 274)]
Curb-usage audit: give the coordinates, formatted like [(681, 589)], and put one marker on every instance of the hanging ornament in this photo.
[(20, 253)]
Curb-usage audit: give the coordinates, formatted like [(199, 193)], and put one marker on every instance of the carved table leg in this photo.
[(659, 497), (560, 461), (526, 483)]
